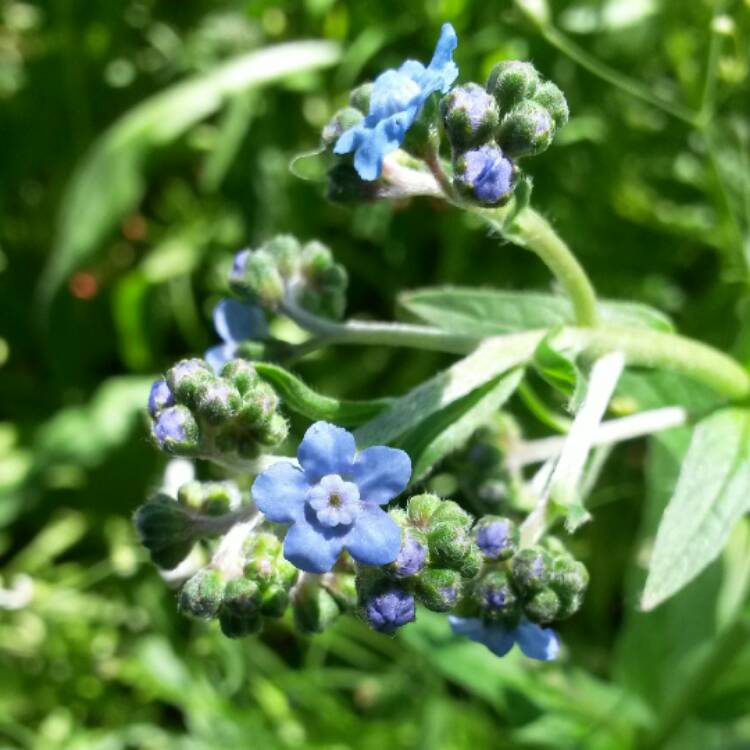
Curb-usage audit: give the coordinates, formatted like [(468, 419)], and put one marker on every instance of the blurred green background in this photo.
[(140, 191)]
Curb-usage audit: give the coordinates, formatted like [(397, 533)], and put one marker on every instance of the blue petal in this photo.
[(280, 492), (217, 356), (326, 449), (235, 322), (499, 639), (310, 550), (537, 642), (375, 538), (469, 627), (381, 473), (443, 55)]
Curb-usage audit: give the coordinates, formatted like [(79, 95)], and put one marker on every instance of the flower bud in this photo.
[(527, 130), (360, 97), (274, 601), (167, 530), (449, 544), (159, 398), (471, 564), (314, 608), (420, 508), (569, 576), (412, 556), (543, 607), (569, 605), (497, 537), (530, 569), (220, 498), (201, 596), (470, 116), (389, 610), (439, 588), (341, 121), (266, 564), (218, 401), (451, 513), (485, 174), (285, 250), (494, 594), (553, 100), (239, 614), (176, 431), (186, 378), (512, 82), (241, 374), (262, 280)]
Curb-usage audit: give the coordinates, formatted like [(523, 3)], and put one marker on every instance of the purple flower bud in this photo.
[(411, 557), (160, 397), (497, 538), (486, 174), (390, 610), (175, 428), (238, 265)]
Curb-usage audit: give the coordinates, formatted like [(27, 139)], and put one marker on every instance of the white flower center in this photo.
[(335, 501)]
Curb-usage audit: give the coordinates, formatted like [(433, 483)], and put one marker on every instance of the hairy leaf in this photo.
[(712, 494)]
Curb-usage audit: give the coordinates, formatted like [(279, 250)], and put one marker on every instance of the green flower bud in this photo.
[(471, 563), (343, 588), (451, 513), (530, 569), (448, 545), (543, 607), (202, 595), (167, 530), (239, 614), (274, 601), (497, 537), (341, 121), (285, 250), (218, 401), (569, 577), (569, 604), (439, 588), (470, 116), (191, 495), (527, 130), (241, 374), (553, 100), (512, 82), (420, 508), (314, 608), (220, 498), (186, 378), (360, 97), (261, 279)]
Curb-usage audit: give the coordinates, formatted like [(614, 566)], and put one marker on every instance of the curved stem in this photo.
[(373, 333), (532, 231)]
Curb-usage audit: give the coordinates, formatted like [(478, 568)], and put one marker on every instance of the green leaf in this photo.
[(712, 494), (490, 359), (305, 401), (489, 312), (449, 429), (110, 180), (560, 370)]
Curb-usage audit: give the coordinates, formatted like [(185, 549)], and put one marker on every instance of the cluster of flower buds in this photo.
[(168, 529), (539, 584), (438, 557), (515, 115), (233, 415), (282, 270)]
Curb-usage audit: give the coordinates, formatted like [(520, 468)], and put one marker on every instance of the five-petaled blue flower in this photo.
[(535, 641), (235, 323), (397, 99), (333, 498)]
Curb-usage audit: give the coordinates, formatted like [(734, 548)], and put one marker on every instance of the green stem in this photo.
[(532, 231), (642, 347)]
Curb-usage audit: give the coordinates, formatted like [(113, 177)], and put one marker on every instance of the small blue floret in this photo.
[(171, 425), (332, 499), (235, 323), (535, 641), (390, 610), (488, 173), (397, 99), (159, 397), (411, 558)]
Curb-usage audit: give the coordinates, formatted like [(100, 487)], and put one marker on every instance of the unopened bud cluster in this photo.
[(283, 269), (438, 557), (198, 413), (515, 115)]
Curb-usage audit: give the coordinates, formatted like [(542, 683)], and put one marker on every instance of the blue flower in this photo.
[(486, 172), (411, 558), (535, 641), (397, 99), (174, 427), (332, 499), (159, 397), (235, 323), (390, 610)]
